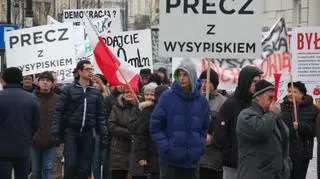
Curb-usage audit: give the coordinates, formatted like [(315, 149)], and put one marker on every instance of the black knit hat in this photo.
[(46, 75), (214, 77), (155, 78), (145, 72), (262, 86), (12, 75), (300, 86)]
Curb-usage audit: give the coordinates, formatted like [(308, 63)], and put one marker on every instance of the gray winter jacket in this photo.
[(213, 157), (263, 145)]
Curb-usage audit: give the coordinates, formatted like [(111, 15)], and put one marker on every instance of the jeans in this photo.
[(171, 172), (99, 157), (77, 153), (20, 166), (229, 173), (43, 161)]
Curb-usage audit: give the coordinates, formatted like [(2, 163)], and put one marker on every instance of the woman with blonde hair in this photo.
[(99, 156), (97, 83)]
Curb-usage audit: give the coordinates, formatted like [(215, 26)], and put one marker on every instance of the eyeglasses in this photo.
[(87, 69)]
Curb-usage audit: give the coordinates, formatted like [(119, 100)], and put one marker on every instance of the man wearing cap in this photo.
[(43, 151), (301, 146), (178, 125), (263, 138), (19, 121), (211, 162)]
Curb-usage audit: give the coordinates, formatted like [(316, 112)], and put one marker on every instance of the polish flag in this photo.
[(115, 70)]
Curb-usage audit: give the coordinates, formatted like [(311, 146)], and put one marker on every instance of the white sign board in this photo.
[(217, 29), (42, 48), (305, 48), (134, 47), (111, 16)]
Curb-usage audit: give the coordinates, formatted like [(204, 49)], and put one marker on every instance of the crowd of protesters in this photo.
[(161, 130)]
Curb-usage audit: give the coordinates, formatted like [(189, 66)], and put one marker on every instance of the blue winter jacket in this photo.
[(178, 126)]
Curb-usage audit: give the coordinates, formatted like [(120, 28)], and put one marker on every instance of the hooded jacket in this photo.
[(165, 81), (179, 122), (225, 135)]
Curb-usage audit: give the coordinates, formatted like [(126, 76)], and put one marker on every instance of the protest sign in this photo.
[(108, 18), (210, 29), (305, 49), (42, 48), (133, 47), (275, 58)]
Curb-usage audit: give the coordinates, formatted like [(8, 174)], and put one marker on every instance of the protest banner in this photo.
[(133, 47), (275, 58), (305, 49), (42, 48), (107, 18), (210, 29)]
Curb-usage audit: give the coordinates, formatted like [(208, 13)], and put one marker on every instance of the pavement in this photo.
[(312, 170)]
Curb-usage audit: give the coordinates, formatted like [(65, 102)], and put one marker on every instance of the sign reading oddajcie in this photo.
[(37, 49), (215, 28)]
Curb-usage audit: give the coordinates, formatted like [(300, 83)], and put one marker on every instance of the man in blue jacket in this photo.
[(179, 124), (79, 111), (19, 121)]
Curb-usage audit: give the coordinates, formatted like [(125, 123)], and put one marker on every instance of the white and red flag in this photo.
[(116, 71)]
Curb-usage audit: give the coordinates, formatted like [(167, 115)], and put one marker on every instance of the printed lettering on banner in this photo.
[(219, 28), (305, 48), (110, 17), (275, 58), (133, 47), (42, 48)]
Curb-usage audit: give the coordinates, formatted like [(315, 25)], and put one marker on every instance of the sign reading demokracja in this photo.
[(42, 48), (215, 28)]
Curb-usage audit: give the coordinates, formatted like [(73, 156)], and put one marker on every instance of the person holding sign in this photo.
[(211, 161), (179, 124), (80, 109), (263, 138), (302, 129)]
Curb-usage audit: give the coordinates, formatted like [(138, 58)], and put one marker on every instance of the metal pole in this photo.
[(8, 11)]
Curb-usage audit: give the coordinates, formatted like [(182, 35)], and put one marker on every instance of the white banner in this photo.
[(305, 48), (111, 18), (42, 48), (133, 47), (229, 29)]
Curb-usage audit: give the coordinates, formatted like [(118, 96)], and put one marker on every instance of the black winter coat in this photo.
[(143, 146), (121, 140), (301, 146), (19, 121), (74, 99), (225, 136)]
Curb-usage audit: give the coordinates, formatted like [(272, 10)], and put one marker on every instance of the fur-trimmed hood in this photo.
[(145, 104)]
